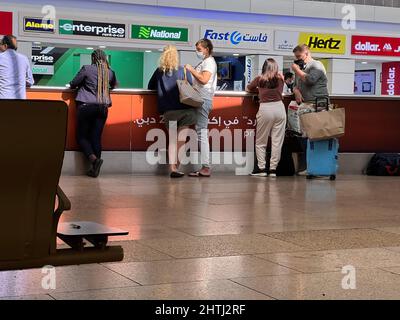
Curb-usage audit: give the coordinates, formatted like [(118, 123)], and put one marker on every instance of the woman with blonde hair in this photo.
[(271, 117), (178, 117)]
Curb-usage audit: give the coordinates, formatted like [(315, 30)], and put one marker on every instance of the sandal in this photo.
[(204, 172), (176, 174)]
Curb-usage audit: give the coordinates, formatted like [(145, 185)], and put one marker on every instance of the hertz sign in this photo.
[(324, 43)]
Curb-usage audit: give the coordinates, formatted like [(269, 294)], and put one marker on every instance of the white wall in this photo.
[(194, 23), (150, 64), (280, 7), (340, 75)]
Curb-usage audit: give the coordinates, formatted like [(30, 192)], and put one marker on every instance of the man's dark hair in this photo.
[(288, 75), (301, 48), (9, 41)]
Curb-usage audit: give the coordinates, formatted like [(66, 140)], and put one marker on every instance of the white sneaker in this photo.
[(259, 173), (272, 174), (302, 173)]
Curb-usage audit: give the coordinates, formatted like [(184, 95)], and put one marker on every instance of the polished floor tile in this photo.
[(134, 251), (369, 284), (286, 238), (335, 260), (32, 297), (225, 245), (339, 239), (203, 290), (71, 278), (188, 270)]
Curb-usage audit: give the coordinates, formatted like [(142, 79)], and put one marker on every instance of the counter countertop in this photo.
[(218, 93)]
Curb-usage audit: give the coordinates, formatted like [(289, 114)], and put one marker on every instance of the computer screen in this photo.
[(365, 82)]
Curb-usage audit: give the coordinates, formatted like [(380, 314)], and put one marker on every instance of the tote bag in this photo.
[(187, 94)]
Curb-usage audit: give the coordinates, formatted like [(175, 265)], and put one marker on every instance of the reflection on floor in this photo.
[(228, 237)]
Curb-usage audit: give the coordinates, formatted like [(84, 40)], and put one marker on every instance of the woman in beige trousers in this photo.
[(271, 117)]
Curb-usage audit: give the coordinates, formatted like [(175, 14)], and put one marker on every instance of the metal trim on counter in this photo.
[(217, 93)]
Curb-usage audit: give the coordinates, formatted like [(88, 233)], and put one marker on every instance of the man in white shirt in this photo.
[(15, 70)]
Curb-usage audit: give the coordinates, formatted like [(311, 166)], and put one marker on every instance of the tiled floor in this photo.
[(232, 237)]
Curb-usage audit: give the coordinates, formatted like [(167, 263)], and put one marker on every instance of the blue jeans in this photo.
[(202, 132)]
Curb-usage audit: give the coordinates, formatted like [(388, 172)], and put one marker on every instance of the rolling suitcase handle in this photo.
[(330, 146), (321, 101)]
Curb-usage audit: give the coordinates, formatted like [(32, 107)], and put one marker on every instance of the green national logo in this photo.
[(160, 33), (144, 32)]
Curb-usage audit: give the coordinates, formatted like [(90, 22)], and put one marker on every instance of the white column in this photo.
[(254, 64), (340, 74)]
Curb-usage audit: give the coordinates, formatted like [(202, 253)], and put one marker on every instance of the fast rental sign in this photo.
[(240, 38)]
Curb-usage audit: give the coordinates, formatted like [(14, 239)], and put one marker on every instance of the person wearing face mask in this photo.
[(205, 81), (311, 83), (15, 70), (311, 80), (288, 85)]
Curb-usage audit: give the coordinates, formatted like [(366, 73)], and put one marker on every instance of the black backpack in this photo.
[(384, 164)]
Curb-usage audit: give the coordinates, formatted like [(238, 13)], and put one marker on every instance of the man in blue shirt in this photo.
[(15, 71)]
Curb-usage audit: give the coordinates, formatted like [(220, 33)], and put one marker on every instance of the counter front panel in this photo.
[(372, 125)]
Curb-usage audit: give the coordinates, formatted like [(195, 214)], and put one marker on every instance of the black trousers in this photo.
[(303, 157), (90, 125)]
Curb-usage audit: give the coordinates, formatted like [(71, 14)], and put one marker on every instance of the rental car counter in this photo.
[(372, 123)]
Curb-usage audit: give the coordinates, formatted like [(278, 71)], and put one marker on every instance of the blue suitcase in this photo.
[(322, 158)]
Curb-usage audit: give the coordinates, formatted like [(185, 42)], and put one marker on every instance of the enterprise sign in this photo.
[(94, 29)]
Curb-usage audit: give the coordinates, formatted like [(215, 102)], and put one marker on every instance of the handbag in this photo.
[(384, 164), (187, 94), (322, 125), (294, 112)]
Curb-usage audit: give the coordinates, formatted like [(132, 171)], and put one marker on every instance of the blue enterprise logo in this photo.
[(235, 37)]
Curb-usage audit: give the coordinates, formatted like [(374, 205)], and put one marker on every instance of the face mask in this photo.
[(200, 55), (300, 63)]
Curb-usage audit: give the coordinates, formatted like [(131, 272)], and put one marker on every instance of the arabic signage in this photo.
[(38, 25), (391, 78), (159, 33), (250, 69), (375, 46), (6, 23), (318, 42), (286, 40), (241, 38), (93, 29)]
